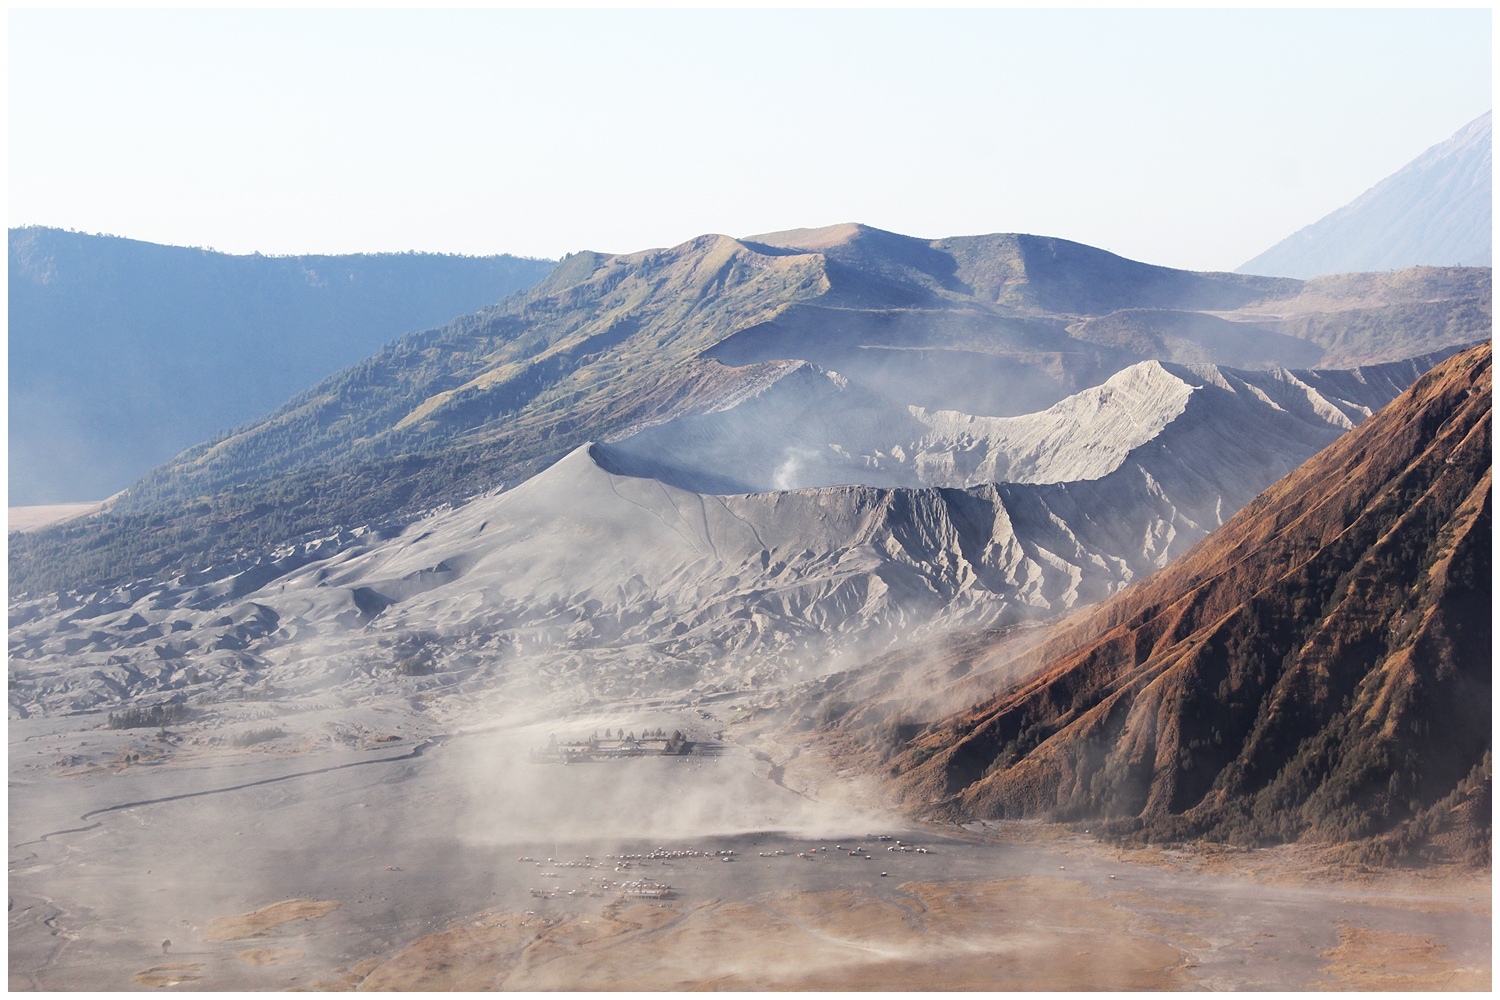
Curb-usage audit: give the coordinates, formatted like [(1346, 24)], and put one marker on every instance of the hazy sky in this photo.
[(1193, 138)]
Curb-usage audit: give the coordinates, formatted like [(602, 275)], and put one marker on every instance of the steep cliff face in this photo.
[(1318, 667)]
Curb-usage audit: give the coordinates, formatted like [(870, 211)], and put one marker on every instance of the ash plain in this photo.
[(377, 846)]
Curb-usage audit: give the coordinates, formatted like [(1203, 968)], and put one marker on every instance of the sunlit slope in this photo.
[(987, 326), (594, 578), (1320, 666), (971, 325), (514, 372), (1435, 210), (809, 427)]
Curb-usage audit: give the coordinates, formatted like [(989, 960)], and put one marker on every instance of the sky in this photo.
[(1189, 138)]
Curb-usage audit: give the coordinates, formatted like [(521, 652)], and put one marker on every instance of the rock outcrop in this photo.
[(1318, 667), (605, 575)]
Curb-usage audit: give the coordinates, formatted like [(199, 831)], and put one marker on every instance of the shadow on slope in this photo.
[(1318, 668)]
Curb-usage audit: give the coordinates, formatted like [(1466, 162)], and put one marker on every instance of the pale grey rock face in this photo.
[(628, 569), (1436, 210), (810, 427)]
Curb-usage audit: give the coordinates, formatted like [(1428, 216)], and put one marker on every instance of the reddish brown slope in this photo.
[(1320, 666)]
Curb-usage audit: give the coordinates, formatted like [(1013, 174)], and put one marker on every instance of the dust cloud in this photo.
[(361, 731)]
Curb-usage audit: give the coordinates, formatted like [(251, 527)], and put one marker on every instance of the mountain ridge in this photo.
[(612, 342), (1435, 210), (1342, 696), (640, 305), (124, 352), (594, 576)]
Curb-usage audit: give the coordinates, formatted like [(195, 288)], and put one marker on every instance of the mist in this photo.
[(340, 769)]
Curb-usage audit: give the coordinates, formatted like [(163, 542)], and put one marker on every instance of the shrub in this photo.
[(146, 718), (256, 736)]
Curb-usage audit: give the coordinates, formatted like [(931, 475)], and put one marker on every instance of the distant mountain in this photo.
[(1318, 667), (608, 345), (593, 579), (122, 353), (1434, 210)]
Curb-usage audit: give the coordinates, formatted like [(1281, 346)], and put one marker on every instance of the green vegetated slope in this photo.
[(607, 342), (1319, 667), (1335, 321), (512, 373), (558, 357), (122, 352), (1384, 333)]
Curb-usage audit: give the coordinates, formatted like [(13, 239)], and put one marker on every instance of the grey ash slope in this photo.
[(615, 337), (1435, 210), (801, 426), (589, 582), (991, 326)]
